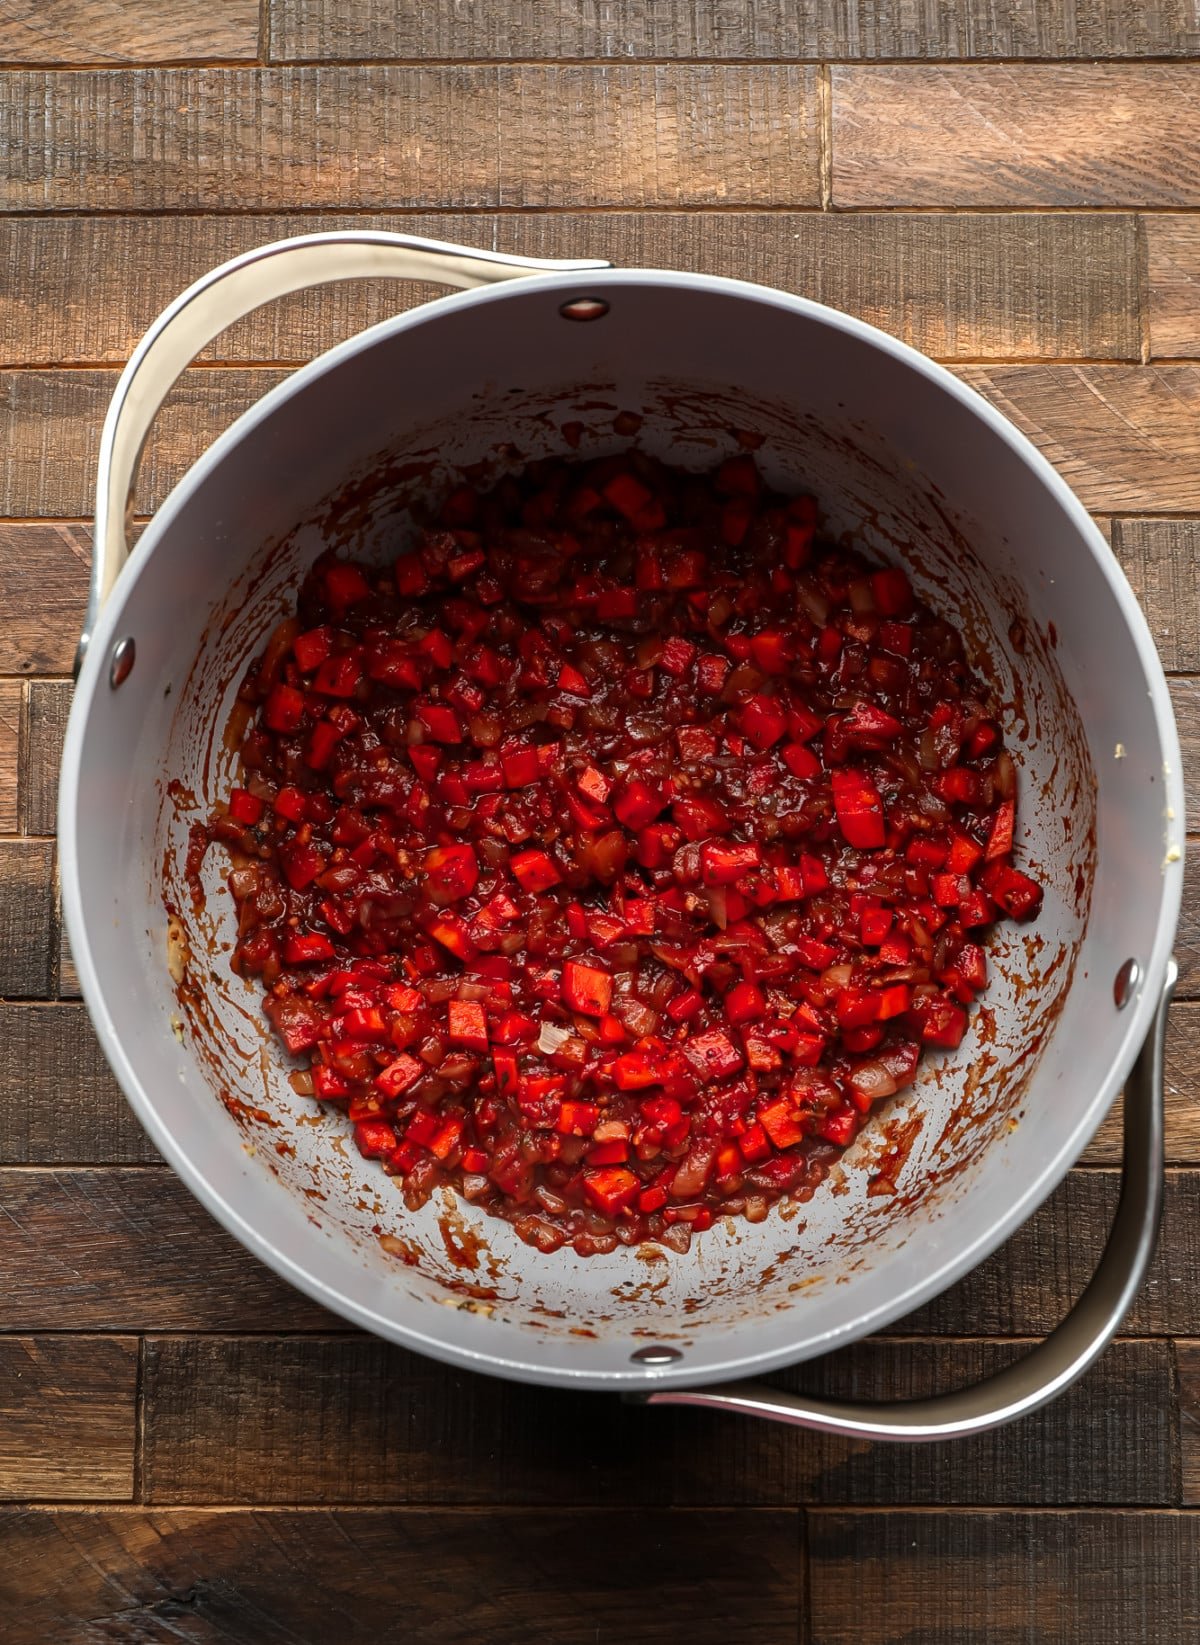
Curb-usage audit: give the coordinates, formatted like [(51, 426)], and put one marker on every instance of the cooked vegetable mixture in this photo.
[(613, 852)]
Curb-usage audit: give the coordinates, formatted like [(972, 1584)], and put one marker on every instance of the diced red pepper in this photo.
[(399, 1074), (284, 710), (451, 872), (1000, 838), (713, 1054), (722, 863), (859, 808), (373, 1138), (762, 720), (534, 871), (612, 1189), (245, 808), (467, 1024), (783, 1123), (637, 804), (577, 1119), (520, 767), (586, 988), (801, 761), (440, 722), (311, 649), (635, 501), (1018, 895), (340, 675), (345, 585)]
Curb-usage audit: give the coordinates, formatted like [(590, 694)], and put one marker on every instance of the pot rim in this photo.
[(1035, 1190)]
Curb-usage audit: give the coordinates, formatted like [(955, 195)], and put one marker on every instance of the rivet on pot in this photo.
[(121, 665), (659, 1354), (1126, 983), (584, 308)]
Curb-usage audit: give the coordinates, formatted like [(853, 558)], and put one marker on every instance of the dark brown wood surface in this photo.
[(189, 1450)]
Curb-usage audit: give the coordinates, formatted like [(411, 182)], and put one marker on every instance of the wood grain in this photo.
[(1125, 438), (385, 137), (155, 1261), (43, 411), (233, 1420), (1173, 266), (1061, 135), (128, 1248), (43, 587), (26, 902), (1161, 558), (1005, 1579), (1030, 1283), (1182, 1097), (1187, 1355), (114, 31), (47, 704), (316, 29), (58, 1102), (83, 289), (1187, 941), (1185, 699), (67, 1412), (10, 740), (370, 1577), (65, 981)]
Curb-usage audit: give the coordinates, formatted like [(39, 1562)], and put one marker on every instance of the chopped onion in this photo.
[(873, 1080), (551, 1037)]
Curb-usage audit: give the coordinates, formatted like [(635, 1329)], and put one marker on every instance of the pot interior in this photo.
[(901, 468)]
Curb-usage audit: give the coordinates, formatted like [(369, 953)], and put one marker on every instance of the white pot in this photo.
[(908, 463)]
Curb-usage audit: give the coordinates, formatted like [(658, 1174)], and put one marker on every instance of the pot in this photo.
[(540, 358)]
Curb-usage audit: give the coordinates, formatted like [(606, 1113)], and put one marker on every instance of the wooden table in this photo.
[(190, 1451)]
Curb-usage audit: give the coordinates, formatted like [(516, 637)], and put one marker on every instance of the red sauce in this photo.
[(612, 853)]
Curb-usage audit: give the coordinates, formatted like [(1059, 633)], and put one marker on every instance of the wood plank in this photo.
[(1187, 1355), (1126, 438), (323, 29), (1030, 1283), (1173, 257), (43, 591), (1185, 699), (67, 1417), (26, 910), (108, 31), (387, 137), (83, 289), (157, 1262), (1052, 135), (1161, 558), (65, 983), (1082, 1578), (378, 1577), (1182, 1097), (59, 1104), (42, 411), (233, 1419), (48, 702), (129, 1249), (1187, 940), (10, 740)]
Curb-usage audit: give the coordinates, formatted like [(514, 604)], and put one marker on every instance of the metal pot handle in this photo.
[(1055, 1363), (224, 295)]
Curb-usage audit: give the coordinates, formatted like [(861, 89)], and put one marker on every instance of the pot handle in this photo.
[(1054, 1364), (224, 295)]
